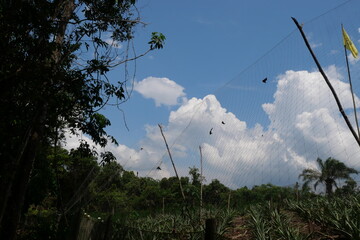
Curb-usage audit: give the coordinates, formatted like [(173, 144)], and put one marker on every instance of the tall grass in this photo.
[(340, 214), (173, 226), (268, 222)]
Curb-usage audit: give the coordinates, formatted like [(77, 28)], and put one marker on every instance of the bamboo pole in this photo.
[(351, 88), (201, 178), (163, 206), (327, 82), (201, 183), (228, 203), (167, 147)]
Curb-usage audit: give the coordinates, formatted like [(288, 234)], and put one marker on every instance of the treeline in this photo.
[(65, 184)]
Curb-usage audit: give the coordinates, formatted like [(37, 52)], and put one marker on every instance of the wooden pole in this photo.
[(228, 204), (327, 82), (210, 229), (351, 88), (167, 147), (163, 206), (201, 180)]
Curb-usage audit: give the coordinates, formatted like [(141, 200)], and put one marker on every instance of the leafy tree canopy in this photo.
[(55, 58)]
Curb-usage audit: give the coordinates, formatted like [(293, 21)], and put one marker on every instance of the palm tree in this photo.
[(330, 170)]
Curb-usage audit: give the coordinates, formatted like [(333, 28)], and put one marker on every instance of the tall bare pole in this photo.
[(351, 88), (167, 147), (163, 206), (228, 203), (327, 82), (201, 180)]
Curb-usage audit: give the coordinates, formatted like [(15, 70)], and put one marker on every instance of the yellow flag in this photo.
[(349, 44)]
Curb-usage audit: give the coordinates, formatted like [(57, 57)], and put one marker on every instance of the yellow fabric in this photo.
[(349, 44)]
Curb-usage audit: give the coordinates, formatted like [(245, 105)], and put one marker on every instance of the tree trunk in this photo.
[(329, 187), (22, 173), (12, 203), (9, 169)]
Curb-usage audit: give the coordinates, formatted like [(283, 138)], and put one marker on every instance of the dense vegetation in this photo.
[(77, 184), (54, 63), (53, 76), (87, 191)]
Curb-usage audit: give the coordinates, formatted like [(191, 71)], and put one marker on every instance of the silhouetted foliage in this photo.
[(329, 171), (53, 76)]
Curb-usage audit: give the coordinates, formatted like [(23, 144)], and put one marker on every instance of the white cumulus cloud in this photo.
[(304, 124), (162, 90)]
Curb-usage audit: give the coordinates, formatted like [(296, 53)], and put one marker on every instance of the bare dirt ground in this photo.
[(240, 230)]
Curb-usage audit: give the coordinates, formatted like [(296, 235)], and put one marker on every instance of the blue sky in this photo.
[(216, 54), (208, 44)]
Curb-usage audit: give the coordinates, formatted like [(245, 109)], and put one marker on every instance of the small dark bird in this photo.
[(158, 168), (222, 122), (210, 131), (264, 80), (141, 148)]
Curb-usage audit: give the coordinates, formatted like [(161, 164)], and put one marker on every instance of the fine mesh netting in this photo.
[(253, 132)]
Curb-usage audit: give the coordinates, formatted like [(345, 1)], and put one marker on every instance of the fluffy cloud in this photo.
[(304, 124), (144, 161), (162, 90)]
